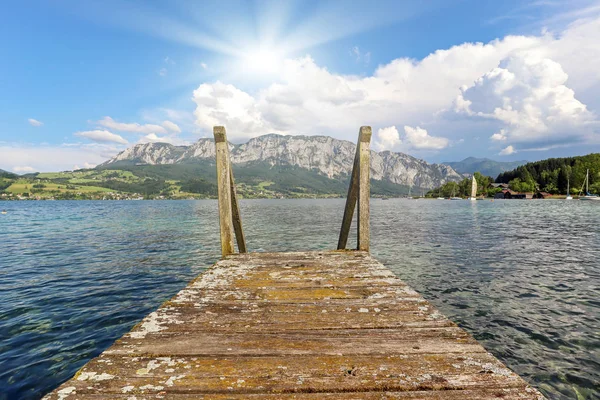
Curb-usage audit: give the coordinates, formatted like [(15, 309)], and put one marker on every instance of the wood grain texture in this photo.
[(364, 189), (307, 326), (236, 216), (359, 192), (224, 190), (351, 200)]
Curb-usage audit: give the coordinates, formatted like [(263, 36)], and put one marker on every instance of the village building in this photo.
[(542, 195), (511, 194)]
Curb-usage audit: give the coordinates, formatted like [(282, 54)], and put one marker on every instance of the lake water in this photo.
[(522, 276)]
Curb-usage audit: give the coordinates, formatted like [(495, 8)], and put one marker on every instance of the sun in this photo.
[(262, 61)]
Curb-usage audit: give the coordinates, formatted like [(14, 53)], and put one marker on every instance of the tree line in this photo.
[(463, 188), (555, 174)]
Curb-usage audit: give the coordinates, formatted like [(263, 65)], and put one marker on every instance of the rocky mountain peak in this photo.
[(329, 156)]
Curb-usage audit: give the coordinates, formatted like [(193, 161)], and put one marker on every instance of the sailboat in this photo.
[(473, 189), (569, 197), (587, 195)]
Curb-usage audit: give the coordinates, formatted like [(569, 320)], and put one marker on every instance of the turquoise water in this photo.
[(522, 276)]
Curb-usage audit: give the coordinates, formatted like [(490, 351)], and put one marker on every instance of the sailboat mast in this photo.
[(587, 182)]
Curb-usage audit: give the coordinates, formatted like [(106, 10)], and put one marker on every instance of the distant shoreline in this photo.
[(557, 197)]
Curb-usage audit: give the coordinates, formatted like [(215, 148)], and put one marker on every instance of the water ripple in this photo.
[(521, 276)]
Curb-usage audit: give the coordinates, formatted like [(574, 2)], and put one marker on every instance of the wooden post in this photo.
[(364, 188), (237, 218), (224, 189), (358, 192), (350, 202)]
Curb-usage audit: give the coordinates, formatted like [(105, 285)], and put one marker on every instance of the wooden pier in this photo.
[(297, 325)]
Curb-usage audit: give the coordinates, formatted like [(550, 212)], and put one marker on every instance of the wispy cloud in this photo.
[(570, 12), (35, 122), (327, 22), (23, 169), (102, 136), (552, 14), (360, 56), (25, 158), (165, 127)]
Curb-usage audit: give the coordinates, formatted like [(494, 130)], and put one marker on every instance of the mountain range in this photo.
[(485, 166), (328, 157)]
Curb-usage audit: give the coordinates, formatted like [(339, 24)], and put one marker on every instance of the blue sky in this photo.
[(441, 80)]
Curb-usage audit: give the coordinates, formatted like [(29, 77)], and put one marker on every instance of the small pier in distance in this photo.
[(296, 325)]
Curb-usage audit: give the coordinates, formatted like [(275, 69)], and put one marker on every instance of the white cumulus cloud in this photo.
[(528, 94), (387, 138), (35, 122), (499, 136), (102, 136), (415, 138), (222, 104), (418, 138), (508, 150), (86, 165), (514, 89), (153, 138)]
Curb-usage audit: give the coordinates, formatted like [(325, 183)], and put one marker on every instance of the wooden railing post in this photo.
[(230, 219), (350, 203), (235, 215), (224, 189), (358, 192), (364, 188)]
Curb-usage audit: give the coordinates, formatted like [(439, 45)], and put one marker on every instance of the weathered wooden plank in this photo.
[(306, 294), (400, 306), (312, 374), (224, 190), (476, 394), (351, 200), (360, 341), (211, 316), (364, 189), (320, 325), (317, 366), (236, 215), (251, 322)]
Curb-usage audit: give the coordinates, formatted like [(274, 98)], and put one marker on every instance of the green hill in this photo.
[(553, 174), (191, 180), (255, 179), (6, 174)]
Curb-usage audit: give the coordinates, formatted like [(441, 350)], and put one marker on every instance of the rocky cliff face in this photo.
[(331, 157)]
